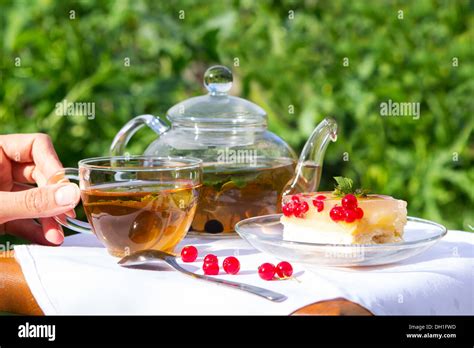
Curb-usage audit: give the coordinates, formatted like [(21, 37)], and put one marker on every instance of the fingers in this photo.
[(6, 181), (22, 187), (36, 148), (71, 213), (52, 231), (30, 158), (27, 173), (38, 202), (24, 173), (49, 232), (25, 228)]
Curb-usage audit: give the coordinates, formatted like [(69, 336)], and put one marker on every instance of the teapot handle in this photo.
[(131, 127)]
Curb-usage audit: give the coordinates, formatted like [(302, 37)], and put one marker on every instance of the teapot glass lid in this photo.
[(217, 108)]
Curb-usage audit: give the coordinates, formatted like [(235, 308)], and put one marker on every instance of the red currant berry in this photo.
[(295, 198), (266, 271), (231, 265), (337, 213), (287, 208), (350, 215), (297, 210), (359, 213), (284, 270), (301, 209), (210, 258), (349, 201), (189, 253), (304, 207), (321, 197), (318, 204), (210, 268)]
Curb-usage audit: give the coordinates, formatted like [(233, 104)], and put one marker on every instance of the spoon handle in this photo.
[(265, 293)]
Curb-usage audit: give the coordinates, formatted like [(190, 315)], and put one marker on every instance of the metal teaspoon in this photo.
[(145, 257)]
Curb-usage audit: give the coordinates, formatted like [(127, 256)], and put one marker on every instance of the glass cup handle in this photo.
[(64, 176)]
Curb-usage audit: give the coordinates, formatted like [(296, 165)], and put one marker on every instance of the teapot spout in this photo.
[(309, 166)]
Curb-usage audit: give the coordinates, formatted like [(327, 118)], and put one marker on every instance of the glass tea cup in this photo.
[(135, 202)]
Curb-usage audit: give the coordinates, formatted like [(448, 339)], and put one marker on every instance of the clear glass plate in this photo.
[(265, 233)]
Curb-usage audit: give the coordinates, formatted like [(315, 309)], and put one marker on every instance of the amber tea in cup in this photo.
[(137, 202)]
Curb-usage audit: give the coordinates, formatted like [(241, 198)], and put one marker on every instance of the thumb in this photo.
[(38, 202)]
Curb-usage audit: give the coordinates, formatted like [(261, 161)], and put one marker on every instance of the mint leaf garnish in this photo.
[(345, 186)]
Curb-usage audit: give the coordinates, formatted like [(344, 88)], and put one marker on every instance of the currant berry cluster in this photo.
[(267, 271), (348, 212), (210, 264), (295, 207)]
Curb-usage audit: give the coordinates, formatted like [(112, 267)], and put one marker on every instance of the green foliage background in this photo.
[(282, 62)]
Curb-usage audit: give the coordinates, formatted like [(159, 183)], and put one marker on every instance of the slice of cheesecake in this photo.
[(328, 218)]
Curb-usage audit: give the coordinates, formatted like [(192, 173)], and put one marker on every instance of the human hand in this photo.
[(31, 159)]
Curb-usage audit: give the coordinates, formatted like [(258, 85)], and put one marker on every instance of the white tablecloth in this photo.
[(80, 277)]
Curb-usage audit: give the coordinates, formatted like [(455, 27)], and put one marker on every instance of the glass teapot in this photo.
[(247, 168)]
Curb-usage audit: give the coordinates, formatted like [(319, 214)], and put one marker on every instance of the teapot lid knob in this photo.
[(218, 80)]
